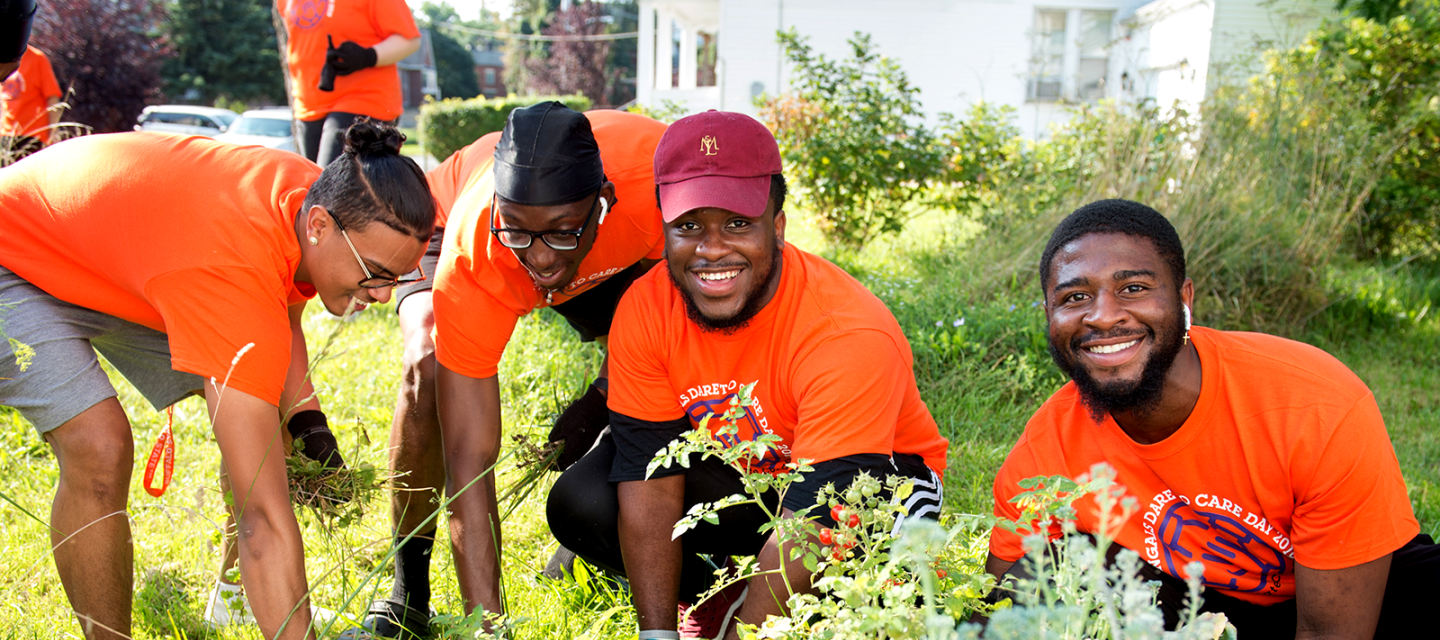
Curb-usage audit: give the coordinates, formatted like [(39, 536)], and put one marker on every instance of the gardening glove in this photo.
[(315, 441), (579, 425), (349, 57)]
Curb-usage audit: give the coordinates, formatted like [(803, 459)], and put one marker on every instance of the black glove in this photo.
[(316, 441), (349, 57), (579, 425)]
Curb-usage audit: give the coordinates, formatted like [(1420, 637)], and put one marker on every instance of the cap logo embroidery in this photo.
[(709, 145)]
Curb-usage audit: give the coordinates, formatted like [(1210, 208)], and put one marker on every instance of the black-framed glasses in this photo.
[(557, 240), (371, 280)]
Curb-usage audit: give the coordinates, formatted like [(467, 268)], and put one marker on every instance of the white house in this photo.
[(1036, 56)]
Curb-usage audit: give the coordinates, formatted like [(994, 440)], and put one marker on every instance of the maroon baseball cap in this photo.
[(715, 159)]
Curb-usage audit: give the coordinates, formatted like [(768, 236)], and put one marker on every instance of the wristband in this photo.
[(657, 634)]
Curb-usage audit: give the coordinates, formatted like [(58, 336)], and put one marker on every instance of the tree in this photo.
[(454, 66), (222, 48), (575, 66), (108, 52)]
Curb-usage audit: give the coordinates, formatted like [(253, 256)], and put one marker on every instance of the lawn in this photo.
[(981, 368)]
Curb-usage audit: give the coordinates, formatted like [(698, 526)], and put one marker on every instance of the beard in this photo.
[(1139, 396), (747, 312)]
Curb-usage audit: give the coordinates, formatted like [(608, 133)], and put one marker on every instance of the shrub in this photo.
[(1392, 64), (448, 125), (853, 138), (107, 53)]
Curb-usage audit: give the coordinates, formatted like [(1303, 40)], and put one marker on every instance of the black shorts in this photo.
[(428, 263), (590, 313), (637, 442)]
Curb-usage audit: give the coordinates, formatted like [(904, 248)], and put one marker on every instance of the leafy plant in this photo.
[(448, 125), (853, 136)]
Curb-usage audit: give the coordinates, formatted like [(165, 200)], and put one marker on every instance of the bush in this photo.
[(853, 137), (108, 53), (1392, 63), (448, 125)]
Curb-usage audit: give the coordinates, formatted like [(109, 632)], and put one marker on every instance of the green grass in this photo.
[(981, 381)]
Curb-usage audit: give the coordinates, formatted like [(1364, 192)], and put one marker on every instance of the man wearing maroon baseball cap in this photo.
[(736, 312)]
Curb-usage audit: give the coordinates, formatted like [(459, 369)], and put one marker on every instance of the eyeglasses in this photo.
[(557, 240), (371, 280)]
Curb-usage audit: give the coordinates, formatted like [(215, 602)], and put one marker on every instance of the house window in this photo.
[(1069, 56), (706, 51), (490, 76)]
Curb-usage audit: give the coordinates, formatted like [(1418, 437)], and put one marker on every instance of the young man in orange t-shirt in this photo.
[(734, 305), (341, 57), (557, 210), (187, 287), (28, 98), (1263, 459)]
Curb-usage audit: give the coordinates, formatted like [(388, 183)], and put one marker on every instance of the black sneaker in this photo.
[(390, 619)]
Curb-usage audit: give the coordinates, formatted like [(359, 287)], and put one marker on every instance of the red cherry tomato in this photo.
[(940, 573), (837, 555), (854, 520), (838, 513), (827, 537)]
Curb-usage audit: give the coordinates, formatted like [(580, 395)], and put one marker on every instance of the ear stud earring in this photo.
[(314, 241)]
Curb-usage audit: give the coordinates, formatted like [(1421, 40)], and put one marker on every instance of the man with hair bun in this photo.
[(186, 287), (557, 210), (1264, 460)]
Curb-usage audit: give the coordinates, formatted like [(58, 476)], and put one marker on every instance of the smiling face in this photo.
[(331, 267), (1115, 320), (726, 265), (549, 268)]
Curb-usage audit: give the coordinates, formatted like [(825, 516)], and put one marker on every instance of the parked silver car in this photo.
[(269, 127), (187, 119)]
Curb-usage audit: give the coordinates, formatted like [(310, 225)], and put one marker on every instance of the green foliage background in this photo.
[(223, 48), (448, 125)]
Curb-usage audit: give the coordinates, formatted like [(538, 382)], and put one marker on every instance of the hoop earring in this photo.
[(1186, 307), (604, 209)]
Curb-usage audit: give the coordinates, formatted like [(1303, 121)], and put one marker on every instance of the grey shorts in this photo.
[(56, 375)]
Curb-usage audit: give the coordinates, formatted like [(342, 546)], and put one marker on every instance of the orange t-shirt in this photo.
[(185, 235), (1284, 459), (373, 92), (482, 290), (26, 96), (801, 351)]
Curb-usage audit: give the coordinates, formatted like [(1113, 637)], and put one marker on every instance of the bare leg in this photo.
[(415, 447), (91, 531)]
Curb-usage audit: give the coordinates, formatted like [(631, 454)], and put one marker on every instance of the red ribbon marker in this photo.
[(164, 445)]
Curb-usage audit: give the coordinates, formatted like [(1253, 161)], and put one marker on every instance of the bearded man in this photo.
[(734, 305), (1263, 459)]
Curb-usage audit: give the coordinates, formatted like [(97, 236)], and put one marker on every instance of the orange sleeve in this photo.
[(446, 181), (845, 408), (639, 375), (49, 86), (657, 252), (390, 17), (212, 313), (1353, 507), (471, 326)]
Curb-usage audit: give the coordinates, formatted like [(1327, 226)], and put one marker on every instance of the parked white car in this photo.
[(187, 119), (268, 127)]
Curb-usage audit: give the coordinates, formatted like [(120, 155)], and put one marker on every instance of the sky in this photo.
[(470, 9)]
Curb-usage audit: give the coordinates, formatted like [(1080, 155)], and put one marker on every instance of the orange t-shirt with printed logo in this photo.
[(120, 223), (482, 290), (26, 95), (1284, 460), (803, 351), (373, 92)]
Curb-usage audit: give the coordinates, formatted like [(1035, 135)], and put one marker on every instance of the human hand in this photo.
[(314, 440), (579, 425), (349, 58)]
